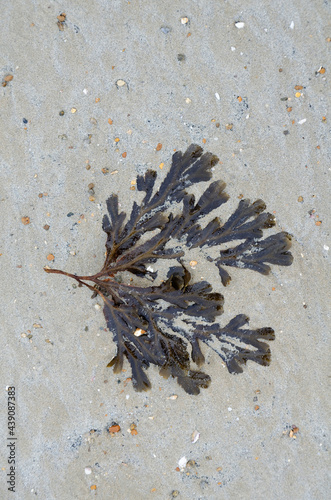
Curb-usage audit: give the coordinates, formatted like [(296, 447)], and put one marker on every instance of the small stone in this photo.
[(61, 113), (8, 78), (165, 29), (46, 227), (93, 121), (114, 428), (188, 100), (158, 147), (50, 257), (217, 96), (88, 470), (73, 110), (181, 57), (25, 220), (184, 20), (91, 185), (240, 25), (229, 126), (300, 199), (292, 25), (97, 307), (25, 121), (300, 122), (62, 17)]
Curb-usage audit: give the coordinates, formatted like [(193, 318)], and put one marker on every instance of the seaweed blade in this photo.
[(142, 317)]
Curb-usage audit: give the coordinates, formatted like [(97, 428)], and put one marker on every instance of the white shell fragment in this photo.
[(182, 463), (195, 436), (300, 122), (239, 25), (139, 332), (217, 96)]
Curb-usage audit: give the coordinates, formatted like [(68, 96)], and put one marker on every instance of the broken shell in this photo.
[(139, 332)]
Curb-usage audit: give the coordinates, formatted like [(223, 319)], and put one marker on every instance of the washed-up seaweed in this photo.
[(156, 324)]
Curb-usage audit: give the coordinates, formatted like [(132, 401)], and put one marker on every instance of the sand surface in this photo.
[(204, 80)]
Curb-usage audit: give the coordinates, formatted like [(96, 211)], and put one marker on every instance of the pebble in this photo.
[(217, 96), (120, 83), (88, 470), (300, 122), (239, 25), (184, 20)]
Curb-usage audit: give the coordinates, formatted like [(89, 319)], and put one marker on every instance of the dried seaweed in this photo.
[(155, 324)]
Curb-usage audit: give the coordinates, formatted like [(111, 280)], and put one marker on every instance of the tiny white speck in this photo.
[(239, 25), (85, 91), (88, 470), (195, 436), (233, 49), (247, 116), (97, 307), (127, 396), (326, 247), (300, 122), (229, 409), (292, 25), (217, 96)]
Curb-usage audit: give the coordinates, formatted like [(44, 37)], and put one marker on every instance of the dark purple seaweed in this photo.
[(156, 324)]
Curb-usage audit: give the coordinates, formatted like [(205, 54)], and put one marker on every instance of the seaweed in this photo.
[(155, 324)]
